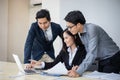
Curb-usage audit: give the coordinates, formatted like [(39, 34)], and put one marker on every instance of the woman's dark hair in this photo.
[(76, 38), (75, 17), (43, 13)]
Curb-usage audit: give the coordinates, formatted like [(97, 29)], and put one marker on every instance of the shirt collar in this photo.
[(69, 49), (49, 28), (84, 30)]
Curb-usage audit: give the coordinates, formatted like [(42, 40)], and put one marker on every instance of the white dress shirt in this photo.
[(71, 55), (49, 33)]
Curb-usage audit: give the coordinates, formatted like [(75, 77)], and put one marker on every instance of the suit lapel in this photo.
[(53, 31), (76, 57)]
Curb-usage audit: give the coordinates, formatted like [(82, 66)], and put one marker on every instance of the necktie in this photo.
[(46, 35)]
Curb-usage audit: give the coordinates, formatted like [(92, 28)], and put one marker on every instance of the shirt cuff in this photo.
[(42, 65)]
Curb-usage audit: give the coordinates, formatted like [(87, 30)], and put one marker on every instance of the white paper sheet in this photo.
[(58, 69), (103, 76)]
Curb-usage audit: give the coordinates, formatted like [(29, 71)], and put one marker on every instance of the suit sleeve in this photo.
[(58, 59), (60, 31), (29, 44), (91, 53)]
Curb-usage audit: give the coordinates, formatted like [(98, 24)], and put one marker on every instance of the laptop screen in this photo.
[(17, 60)]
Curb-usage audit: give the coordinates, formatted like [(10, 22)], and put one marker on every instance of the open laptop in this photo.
[(21, 69)]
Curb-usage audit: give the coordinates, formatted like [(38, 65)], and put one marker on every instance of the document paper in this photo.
[(58, 70), (103, 76)]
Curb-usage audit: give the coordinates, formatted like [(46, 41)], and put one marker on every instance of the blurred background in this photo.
[(16, 17)]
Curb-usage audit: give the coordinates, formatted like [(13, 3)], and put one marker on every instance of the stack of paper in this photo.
[(57, 70), (103, 76)]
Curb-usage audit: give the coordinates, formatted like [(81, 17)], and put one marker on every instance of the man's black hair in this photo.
[(75, 17)]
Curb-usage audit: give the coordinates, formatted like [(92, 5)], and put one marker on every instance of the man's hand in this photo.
[(28, 66), (36, 64), (33, 64), (75, 68), (72, 72)]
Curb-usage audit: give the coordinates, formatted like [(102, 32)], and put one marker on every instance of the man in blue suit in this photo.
[(41, 37)]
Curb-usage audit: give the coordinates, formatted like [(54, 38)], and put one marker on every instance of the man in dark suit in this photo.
[(41, 37)]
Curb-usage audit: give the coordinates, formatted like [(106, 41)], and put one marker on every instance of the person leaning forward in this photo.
[(97, 42), (42, 33)]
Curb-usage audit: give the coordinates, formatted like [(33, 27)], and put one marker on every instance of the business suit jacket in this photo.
[(64, 58), (36, 43)]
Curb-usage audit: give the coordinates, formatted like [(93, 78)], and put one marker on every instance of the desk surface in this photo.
[(9, 71)]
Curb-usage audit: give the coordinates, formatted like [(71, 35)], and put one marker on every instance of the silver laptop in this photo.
[(21, 69)]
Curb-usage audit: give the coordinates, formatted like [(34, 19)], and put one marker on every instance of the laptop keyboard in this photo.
[(29, 71)]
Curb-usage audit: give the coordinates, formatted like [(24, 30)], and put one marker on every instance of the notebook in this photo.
[(21, 69)]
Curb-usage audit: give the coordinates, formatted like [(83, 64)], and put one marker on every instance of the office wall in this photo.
[(14, 20), (18, 21), (3, 29), (32, 13)]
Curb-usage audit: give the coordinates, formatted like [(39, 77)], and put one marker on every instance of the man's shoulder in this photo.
[(54, 24), (91, 26), (34, 23), (91, 29)]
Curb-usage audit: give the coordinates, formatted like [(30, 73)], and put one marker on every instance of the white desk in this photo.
[(8, 71)]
